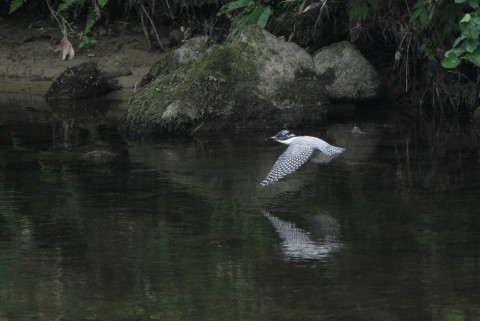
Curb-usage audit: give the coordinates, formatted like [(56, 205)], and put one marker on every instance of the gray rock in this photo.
[(79, 82), (351, 77)]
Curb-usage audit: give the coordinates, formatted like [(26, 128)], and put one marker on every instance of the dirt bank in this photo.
[(29, 61)]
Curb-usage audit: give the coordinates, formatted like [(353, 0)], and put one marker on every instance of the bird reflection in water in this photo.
[(298, 244)]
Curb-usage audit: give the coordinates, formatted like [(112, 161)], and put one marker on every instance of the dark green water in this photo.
[(179, 230)]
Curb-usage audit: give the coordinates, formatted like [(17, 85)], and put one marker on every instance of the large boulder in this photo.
[(258, 81), (352, 77), (79, 82)]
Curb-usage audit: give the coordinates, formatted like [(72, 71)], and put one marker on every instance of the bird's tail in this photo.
[(333, 150)]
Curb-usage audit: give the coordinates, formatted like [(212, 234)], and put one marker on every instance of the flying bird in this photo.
[(300, 149)]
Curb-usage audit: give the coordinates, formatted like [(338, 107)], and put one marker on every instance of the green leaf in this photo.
[(252, 17), (474, 33), (232, 34), (465, 30), (66, 4), (466, 18), (473, 3), (471, 45), (102, 3), (15, 5), (450, 62), (232, 6), (457, 41), (91, 19), (474, 57), (242, 21), (455, 52), (460, 1), (291, 36), (358, 10), (424, 17), (416, 13), (476, 19), (263, 19)]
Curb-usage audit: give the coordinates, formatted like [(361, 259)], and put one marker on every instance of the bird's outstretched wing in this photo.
[(294, 157)]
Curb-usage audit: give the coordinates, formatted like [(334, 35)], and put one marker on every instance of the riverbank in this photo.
[(29, 60)]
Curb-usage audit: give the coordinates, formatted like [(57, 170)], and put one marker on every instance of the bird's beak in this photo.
[(271, 138)]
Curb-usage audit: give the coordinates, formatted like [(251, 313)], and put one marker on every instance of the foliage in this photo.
[(92, 16), (15, 5), (450, 18), (360, 9), (60, 14), (307, 22), (244, 13), (447, 33), (467, 46)]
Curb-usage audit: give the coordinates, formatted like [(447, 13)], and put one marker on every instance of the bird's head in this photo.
[(282, 136)]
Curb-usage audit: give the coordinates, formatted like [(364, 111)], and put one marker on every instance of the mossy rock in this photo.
[(257, 82)]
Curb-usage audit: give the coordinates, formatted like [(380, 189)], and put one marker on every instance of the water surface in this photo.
[(179, 230)]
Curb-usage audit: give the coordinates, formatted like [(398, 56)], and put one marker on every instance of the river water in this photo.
[(177, 229)]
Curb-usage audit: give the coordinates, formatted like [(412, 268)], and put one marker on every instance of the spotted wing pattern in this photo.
[(294, 157)]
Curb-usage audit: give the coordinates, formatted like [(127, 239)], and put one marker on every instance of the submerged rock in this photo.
[(352, 77), (79, 82), (257, 82), (100, 157)]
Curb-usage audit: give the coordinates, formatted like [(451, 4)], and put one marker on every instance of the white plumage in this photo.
[(300, 149)]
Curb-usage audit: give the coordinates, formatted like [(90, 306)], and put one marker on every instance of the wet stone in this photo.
[(79, 82)]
